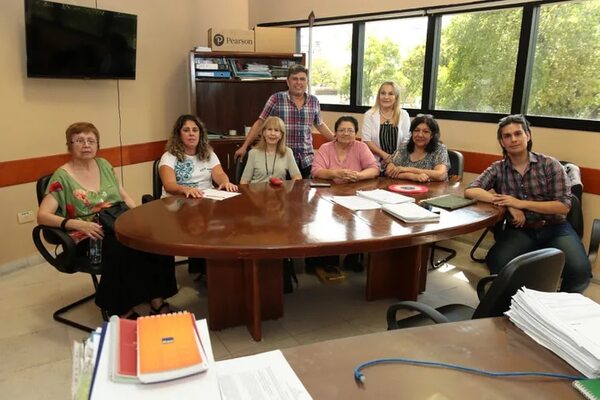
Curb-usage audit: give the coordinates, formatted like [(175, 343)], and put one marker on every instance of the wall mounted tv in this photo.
[(66, 41)]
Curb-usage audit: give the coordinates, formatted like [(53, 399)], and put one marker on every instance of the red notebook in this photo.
[(124, 349)]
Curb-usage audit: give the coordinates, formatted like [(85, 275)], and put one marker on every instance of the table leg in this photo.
[(395, 273), (244, 292)]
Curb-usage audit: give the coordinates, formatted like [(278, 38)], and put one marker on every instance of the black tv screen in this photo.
[(66, 41)]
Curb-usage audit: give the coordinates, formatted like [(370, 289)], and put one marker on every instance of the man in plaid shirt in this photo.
[(299, 111), (536, 192)]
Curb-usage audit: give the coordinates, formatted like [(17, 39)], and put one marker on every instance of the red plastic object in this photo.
[(408, 188), (275, 181)]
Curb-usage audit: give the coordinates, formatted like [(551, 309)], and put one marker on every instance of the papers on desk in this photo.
[(565, 323), (384, 196), (411, 213), (215, 194), (356, 203), (265, 376)]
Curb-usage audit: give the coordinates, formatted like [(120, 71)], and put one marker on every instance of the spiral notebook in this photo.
[(590, 388)]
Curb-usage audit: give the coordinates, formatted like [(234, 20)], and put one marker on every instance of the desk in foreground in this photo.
[(495, 344)]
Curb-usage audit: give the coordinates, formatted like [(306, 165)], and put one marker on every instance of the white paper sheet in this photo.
[(356, 203), (265, 376), (215, 194)]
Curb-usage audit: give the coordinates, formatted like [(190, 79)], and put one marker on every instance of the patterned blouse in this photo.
[(439, 156)]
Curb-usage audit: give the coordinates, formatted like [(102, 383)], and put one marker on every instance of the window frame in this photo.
[(523, 71)]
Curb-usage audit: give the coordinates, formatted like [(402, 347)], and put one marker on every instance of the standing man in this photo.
[(299, 111), (536, 192)]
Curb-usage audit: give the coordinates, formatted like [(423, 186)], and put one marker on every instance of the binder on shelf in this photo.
[(168, 347), (213, 74)]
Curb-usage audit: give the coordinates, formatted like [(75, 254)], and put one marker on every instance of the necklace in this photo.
[(273, 166), (386, 118)]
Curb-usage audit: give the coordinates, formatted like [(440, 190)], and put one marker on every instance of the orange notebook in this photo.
[(168, 347)]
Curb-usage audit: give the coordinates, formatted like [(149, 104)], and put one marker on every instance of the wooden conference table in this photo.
[(495, 344), (245, 238)]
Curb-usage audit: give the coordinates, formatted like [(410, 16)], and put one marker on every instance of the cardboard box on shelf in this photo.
[(274, 40), (231, 40)]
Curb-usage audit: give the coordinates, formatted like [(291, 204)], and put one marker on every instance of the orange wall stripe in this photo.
[(17, 172)]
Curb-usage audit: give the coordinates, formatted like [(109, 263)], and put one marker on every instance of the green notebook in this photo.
[(449, 201), (590, 388)]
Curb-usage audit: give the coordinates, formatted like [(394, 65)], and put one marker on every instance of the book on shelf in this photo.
[(213, 74), (589, 388), (384, 196), (211, 66), (411, 213)]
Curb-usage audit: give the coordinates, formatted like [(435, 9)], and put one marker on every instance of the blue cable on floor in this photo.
[(359, 377)]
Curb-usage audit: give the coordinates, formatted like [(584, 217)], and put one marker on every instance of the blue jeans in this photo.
[(512, 242)]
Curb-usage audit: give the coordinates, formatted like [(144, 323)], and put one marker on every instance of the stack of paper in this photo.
[(384, 196), (411, 213), (565, 323)]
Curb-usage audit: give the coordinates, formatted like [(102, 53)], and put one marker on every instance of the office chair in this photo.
[(240, 165), (575, 215), (455, 174), (539, 270), (156, 184), (67, 261)]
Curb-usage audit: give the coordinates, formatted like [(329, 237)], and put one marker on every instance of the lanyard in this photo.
[(273, 166)]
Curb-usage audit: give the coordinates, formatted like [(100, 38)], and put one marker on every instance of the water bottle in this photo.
[(95, 250)]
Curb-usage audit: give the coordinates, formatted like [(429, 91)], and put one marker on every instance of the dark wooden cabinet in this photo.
[(225, 103), (225, 149)]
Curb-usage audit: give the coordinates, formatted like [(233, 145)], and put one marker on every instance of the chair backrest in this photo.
[(240, 164), (40, 187), (575, 216), (537, 270), (156, 182), (457, 165)]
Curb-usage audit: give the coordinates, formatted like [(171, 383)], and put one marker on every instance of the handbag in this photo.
[(107, 216)]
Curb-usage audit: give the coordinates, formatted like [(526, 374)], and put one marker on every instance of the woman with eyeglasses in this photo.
[(270, 157), (190, 165), (423, 158), (76, 193), (386, 125), (345, 159)]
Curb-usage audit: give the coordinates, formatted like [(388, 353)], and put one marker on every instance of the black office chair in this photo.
[(240, 164), (539, 270), (156, 184), (455, 174), (575, 215), (67, 260)]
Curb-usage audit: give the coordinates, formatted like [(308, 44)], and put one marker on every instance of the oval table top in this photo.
[(292, 220)]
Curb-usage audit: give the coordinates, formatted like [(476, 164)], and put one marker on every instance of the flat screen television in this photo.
[(66, 41)]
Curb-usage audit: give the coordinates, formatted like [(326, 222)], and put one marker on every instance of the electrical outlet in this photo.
[(25, 216)]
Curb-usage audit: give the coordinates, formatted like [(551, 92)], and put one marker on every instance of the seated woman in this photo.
[(345, 159), (423, 158), (76, 192), (189, 165), (270, 157), (386, 125)]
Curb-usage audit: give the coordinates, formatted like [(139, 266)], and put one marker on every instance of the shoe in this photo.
[(164, 308)]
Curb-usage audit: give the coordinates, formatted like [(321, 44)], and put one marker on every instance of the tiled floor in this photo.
[(35, 351)]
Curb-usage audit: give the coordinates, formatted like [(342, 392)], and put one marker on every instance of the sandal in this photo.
[(164, 308)]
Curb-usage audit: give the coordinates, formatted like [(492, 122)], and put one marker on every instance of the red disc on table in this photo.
[(408, 188)]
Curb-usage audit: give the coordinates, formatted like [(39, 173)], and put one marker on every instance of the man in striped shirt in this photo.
[(536, 192), (299, 111)]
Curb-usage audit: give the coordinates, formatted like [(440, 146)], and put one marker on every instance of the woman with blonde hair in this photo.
[(270, 157), (190, 165), (386, 125)]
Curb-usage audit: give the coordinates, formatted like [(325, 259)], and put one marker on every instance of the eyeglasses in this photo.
[(82, 141), (346, 130)]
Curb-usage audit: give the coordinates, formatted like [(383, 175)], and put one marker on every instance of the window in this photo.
[(394, 51), (332, 56), (477, 61), (566, 72)]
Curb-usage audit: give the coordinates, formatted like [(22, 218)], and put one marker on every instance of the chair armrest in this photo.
[(424, 309), (482, 285), (64, 262), (594, 242)]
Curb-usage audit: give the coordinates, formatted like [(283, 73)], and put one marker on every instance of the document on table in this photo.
[(382, 196), (356, 203), (215, 194), (566, 323), (262, 376), (199, 386)]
